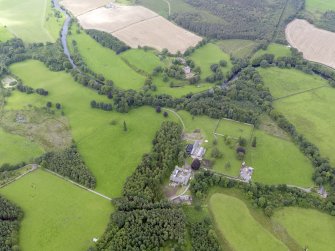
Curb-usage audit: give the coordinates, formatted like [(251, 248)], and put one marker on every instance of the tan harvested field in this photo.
[(134, 25), (78, 7), (316, 44)]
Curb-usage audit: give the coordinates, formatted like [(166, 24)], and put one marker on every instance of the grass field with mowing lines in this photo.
[(278, 50), (237, 47), (207, 55), (15, 149), (310, 228), (279, 161), (283, 82), (31, 20), (239, 227), (57, 214), (311, 113), (105, 61), (110, 153)]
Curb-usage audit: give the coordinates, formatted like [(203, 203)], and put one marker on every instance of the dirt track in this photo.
[(316, 44)]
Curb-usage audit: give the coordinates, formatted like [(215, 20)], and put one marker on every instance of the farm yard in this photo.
[(134, 25), (316, 44), (239, 227), (55, 212), (31, 20)]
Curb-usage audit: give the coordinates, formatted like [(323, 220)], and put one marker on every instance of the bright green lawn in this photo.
[(310, 228), (28, 20), (5, 34), (240, 229), (143, 60), (237, 47), (283, 82), (278, 161), (312, 114), (234, 129), (110, 153), (278, 50), (105, 61), (14, 148), (207, 55), (57, 214), (319, 5)]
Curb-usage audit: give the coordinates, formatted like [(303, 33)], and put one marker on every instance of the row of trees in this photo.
[(29, 90), (143, 219), (101, 105), (10, 216), (68, 163)]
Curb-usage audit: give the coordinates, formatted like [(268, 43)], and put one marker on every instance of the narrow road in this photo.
[(32, 169), (168, 3), (177, 196), (81, 186), (178, 116)]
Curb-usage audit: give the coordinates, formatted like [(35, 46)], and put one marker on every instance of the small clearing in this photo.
[(316, 44)]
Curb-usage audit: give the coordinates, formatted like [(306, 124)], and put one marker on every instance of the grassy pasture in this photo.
[(57, 214), (237, 47), (207, 55), (284, 82), (311, 113), (317, 6), (278, 50), (310, 228), (14, 148), (239, 227), (105, 61), (31, 20), (106, 148), (5, 34)]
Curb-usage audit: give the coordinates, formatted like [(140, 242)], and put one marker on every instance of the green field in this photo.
[(284, 82), (279, 161), (105, 61), (207, 55), (239, 227), (311, 113), (57, 214), (278, 50), (106, 148), (31, 20), (5, 34), (237, 47), (310, 228), (15, 149), (316, 6)]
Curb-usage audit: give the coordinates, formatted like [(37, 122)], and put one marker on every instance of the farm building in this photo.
[(198, 151), (180, 176), (246, 172), (189, 149)]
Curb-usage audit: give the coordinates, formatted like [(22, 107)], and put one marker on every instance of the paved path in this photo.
[(32, 169), (81, 186), (178, 116), (177, 196)]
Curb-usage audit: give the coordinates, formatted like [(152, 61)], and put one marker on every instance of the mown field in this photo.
[(207, 55), (310, 228), (57, 214), (276, 159), (278, 50), (15, 149), (110, 153), (5, 34), (239, 227), (284, 82), (31, 20), (237, 47), (317, 6)]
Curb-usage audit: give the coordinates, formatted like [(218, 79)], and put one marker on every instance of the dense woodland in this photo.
[(10, 216), (68, 163), (243, 19)]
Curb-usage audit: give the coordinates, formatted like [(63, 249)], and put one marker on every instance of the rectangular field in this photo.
[(78, 7), (57, 214)]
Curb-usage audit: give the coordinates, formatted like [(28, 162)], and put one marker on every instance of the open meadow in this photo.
[(15, 149), (31, 20), (235, 222), (310, 228), (237, 47), (317, 6), (316, 44), (101, 141), (278, 50), (207, 55), (5, 34), (286, 82), (57, 214)]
